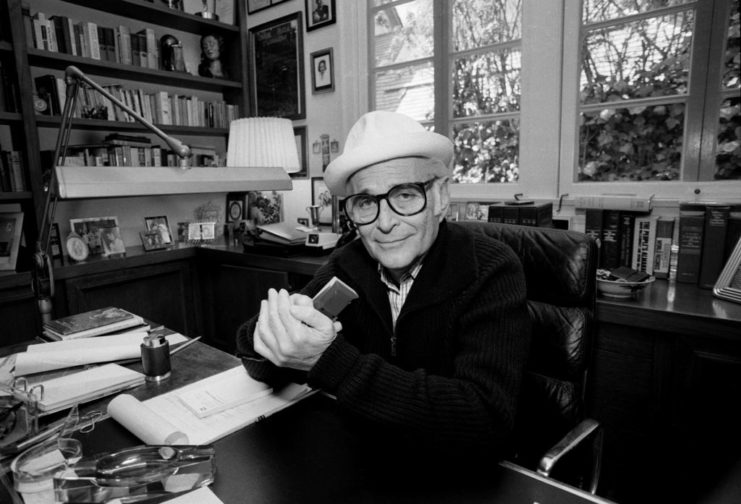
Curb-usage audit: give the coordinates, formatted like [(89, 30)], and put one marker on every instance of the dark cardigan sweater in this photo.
[(463, 337)]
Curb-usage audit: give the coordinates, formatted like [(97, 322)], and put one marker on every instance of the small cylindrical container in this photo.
[(156, 358)]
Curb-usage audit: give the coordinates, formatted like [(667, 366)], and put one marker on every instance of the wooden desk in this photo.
[(307, 453), (310, 452)]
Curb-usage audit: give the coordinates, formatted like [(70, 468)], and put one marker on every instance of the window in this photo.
[(546, 97)]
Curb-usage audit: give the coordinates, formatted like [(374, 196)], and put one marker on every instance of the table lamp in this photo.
[(258, 173)]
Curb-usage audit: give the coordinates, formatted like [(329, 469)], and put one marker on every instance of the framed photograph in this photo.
[(90, 230), (11, 228), (160, 225), (319, 13), (321, 197), (183, 232), (322, 71), (265, 207), (277, 68), (235, 206), (299, 134), (258, 5), (728, 285), (152, 240), (112, 242)]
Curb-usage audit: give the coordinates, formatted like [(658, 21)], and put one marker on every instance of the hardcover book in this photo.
[(714, 237), (663, 247), (691, 227), (91, 323)]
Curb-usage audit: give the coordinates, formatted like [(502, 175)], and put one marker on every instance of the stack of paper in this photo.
[(65, 391), (91, 323), (282, 233)]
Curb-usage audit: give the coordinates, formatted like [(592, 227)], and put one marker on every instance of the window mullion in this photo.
[(443, 77)]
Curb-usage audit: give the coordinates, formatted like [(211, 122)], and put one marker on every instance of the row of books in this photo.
[(89, 40), (708, 233), (10, 100), (159, 107), (507, 212), (91, 323), (11, 172), (703, 236), (637, 240)]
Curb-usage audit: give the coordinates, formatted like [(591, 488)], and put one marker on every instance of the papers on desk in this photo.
[(64, 354), (202, 495), (65, 391), (166, 417)]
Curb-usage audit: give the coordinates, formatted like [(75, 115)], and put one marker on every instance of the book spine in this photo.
[(733, 232), (124, 45), (613, 203), (663, 247), (16, 172), (645, 234), (627, 225), (611, 239), (691, 227), (714, 237), (593, 223)]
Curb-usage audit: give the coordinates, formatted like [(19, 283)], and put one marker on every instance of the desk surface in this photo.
[(307, 453)]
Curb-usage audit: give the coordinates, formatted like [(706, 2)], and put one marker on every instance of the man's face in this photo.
[(394, 240)]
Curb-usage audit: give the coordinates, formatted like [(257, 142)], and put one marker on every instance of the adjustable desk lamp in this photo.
[(68, 182)]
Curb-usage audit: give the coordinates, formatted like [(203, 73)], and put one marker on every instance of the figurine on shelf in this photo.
[(212, 47), (172, 54)]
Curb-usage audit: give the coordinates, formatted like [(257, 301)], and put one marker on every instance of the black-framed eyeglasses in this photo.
[(404, 199)]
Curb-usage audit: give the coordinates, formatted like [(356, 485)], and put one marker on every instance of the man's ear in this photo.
[(442, 201)]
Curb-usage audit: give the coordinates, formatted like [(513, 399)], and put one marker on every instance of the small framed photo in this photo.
[(11, 228), (183, 232), (299, 134), (152, 240), (322, 71), (258, 5), (113, 244), (90, 230), (321, 197), (319, 13), (160, 225), (55, 243)]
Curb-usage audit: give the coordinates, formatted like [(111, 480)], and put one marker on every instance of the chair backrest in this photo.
[(560, 270)]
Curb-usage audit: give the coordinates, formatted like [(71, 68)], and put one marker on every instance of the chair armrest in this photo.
[(587, 428)]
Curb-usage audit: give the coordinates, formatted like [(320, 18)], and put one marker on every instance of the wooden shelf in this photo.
[(15, 196), (98, 124), (10, 117), (61, 61)]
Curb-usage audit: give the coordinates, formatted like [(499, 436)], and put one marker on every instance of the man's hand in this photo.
[(290, 332)]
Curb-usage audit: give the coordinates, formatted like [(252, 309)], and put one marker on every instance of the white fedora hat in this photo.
[(380, 136)]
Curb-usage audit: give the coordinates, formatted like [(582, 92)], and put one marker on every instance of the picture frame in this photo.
[(152, 240), (159, 224), (113, 243), (258, 5), (90, 230), (728, 285), (320, 13), (299, 133), (321, 197), (236, 205), (11, 229), (276, 65), (322, 71)]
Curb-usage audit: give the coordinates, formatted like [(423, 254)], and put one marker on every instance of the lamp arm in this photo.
[(178, 147)]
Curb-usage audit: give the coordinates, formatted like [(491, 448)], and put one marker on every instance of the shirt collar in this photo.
[(409, 275)]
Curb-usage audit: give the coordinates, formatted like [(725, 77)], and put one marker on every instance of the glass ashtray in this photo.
[(34, 469), (142, 472)]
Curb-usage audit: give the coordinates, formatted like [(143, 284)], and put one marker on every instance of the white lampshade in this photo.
[(262, 142)]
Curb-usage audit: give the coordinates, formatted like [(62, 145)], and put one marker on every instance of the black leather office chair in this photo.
[(560, 269)]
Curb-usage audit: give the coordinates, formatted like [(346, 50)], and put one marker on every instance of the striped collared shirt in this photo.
[(398, 293)]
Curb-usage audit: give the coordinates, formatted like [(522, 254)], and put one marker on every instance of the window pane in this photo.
[(486, 83), (409, 90), (603, 10), (403, 33), (732, 59), (642, 59), (728, 155), (487, 151), (631, 144), (479, 23)]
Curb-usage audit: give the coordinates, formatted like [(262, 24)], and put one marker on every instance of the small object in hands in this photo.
[(334, 297), (156, 358)]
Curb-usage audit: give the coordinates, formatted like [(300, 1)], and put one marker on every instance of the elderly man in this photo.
[(433, 350)]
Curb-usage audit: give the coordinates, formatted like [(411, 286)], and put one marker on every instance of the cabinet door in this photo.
[(161, 293), (234, 294), (17, 315)]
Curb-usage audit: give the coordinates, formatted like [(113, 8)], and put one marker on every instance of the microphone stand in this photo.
[(42, 282)]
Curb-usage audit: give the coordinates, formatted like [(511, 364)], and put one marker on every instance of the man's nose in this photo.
[(387, 218)]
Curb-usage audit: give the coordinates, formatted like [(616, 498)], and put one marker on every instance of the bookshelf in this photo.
[(22, 61)]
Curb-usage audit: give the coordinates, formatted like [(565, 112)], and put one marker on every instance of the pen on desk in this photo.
[(186, 344)]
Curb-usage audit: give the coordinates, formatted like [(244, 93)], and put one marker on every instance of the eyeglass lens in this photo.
[(404, 199)]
